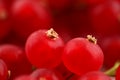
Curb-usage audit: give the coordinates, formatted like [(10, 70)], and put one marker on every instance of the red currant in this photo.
[(45, 74), (94, 76), (111, 48), (24, 77), (28, 16), (82, 55), (104, 18), (44, 48), (117, 77), (3, 70), (4, 21), (14, 56)]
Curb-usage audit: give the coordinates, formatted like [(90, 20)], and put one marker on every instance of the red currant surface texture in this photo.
[(29, 16), (3, 70), (4, 20), (117, 77), (80, 56), (104, 18), (24, 77), (45, 74), (111, 49), (94, 76), (16, 60), (44, 48)]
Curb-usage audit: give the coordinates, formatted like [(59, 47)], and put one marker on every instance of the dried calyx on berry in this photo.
[(92, 39), (51, 33)]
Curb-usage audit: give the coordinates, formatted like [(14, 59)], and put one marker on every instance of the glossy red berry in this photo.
[(111, 49), (3, 70), (95, 75), (29, 16), (44, 48), (4, 21), (117, 77), (105, 19), (82, 55), (24, 77), (14, 56), (46, 74)]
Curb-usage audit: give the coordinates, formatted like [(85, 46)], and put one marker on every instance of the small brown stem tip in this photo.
[(92, 39), (52, 34)]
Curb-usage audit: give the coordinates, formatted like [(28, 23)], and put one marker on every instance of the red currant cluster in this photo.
[(54, 39)]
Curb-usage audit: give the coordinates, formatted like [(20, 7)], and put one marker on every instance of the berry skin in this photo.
[(28, 16), (4, 21), (46, 74), (14, 56), (44, 48), (3, 70), (111, 49), (105, 18), (95, 75), (81, 55), (117, 77), (24, 77)]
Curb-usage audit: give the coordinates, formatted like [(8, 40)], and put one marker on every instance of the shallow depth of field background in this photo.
[(69, 18)]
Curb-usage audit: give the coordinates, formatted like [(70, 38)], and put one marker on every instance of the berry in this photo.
[(4, 21), (94, 76), (44, 48), (45, 74), (14, 56), (111, 49), (28, 16), (117, 77), (3, 70), (82, 55), (24, 77), (104, 18)]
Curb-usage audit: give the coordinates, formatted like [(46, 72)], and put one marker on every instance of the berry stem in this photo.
[(112, 71)]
